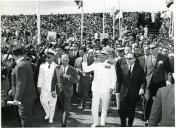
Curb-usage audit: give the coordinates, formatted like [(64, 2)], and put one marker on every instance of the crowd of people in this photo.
[(134, 66)]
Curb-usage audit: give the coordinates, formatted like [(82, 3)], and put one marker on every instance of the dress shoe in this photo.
[(102, 124), (64, 125), (46, 117), (146, 123), (50, 121), (93, 125)]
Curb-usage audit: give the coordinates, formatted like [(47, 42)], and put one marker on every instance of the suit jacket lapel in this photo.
[(150, 61), (157, 59), (68, 70)]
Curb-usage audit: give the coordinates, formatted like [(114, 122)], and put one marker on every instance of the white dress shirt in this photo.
[(19, 59), (65, 69), (132, 66)]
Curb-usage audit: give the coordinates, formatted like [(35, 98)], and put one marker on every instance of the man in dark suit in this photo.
[(130, 86), (62, 82), (84, 79), (163, 108), (74, 54), (142, 61), (156, 67), (23, 89)]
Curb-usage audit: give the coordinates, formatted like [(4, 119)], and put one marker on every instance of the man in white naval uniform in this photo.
[(44, 85), (102, 86)]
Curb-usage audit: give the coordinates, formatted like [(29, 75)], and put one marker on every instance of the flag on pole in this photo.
[(79, 3), (119, 15)]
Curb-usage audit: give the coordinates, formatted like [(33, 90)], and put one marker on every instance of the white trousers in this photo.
[(104, 97), (48, 103)]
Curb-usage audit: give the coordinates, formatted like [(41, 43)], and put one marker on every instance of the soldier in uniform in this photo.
[(102, 86), (44, 85)]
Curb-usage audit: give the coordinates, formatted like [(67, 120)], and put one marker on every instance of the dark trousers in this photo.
[(149, 94), (64, 104), (83, 88), (127, 110), (25, 111)]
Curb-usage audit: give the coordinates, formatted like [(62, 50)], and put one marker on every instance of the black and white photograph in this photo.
[(87, 63)]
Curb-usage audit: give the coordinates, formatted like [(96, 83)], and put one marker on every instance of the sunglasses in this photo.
[(48, 57), (153, 48), (129, 58)]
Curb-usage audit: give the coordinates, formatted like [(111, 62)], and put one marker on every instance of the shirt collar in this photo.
[(19, 59), (131, 66)]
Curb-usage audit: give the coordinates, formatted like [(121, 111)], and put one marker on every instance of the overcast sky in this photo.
[(69, 6)]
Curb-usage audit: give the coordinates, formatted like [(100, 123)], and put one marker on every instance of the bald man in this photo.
[(62, 86)]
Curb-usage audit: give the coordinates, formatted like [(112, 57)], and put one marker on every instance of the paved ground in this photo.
[(78, 117)]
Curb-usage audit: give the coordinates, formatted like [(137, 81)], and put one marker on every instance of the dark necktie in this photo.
[(49, 66), (130, 71), (64, 70)]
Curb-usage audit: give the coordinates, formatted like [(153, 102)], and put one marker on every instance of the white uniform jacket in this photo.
[(104, 76), (45, 77)]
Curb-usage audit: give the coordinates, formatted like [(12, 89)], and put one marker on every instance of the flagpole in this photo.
[(103, 18), (119, 20), (38, 22), (113, 24), (82, 20)]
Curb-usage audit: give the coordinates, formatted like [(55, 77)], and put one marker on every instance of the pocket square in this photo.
[(160, 62)]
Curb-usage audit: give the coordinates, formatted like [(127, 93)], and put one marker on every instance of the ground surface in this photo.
[(77, 118)]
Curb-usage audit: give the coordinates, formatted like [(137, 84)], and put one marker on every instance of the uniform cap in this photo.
[(50, 51), (90, 50)]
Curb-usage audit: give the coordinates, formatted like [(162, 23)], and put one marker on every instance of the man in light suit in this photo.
[(156, 67), (62, 86), (130, 86), (44, 85), (23, 89), (102, 86), (142, 59)]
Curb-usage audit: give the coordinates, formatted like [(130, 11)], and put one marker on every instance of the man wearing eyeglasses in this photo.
[(130, 86), (156, 67), (44, 85)]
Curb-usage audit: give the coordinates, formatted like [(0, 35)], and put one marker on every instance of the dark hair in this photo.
[(17, 51), (28, 53), (83, 48)]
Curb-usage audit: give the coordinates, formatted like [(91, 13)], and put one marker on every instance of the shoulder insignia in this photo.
[(109, 62)]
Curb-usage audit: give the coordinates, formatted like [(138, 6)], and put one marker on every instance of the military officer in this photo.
[(44, 85), (102, 86)]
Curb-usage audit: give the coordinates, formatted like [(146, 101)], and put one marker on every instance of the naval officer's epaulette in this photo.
[(109, 62), (43, 63)]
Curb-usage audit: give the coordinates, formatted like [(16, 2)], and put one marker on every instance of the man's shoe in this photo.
[(146, 123), (102, 124), (46, 117), (50, 121), (93, 125)]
